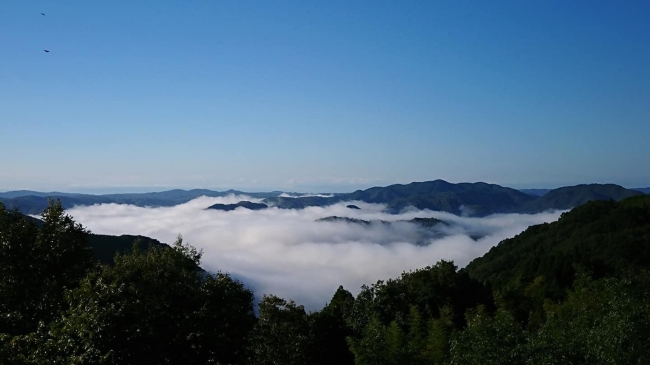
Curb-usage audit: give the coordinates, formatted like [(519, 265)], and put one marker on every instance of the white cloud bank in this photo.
[(299, 195), (287, 253)]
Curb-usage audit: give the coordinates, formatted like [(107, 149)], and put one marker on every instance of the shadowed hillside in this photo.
[(571, 196), (604, 236)]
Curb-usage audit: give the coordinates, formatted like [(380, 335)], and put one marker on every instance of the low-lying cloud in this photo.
[(287, 253), (305, 195)]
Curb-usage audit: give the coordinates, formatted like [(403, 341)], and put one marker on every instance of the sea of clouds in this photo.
[(287, 253), (297, 195)]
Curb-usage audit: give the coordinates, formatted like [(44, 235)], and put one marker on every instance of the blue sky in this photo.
[(322, 95)]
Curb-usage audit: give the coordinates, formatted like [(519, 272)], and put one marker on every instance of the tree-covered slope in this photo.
[(105, 247), (605, 236), (571, 196)]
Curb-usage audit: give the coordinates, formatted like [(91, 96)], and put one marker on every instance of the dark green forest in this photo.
[(576, 291)]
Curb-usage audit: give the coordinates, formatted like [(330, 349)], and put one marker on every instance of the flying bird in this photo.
[(43, 14), (46, 51)]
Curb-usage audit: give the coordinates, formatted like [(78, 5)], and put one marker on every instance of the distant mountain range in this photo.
[(469, 199), (643, 190), (33, 202), (462, 199)]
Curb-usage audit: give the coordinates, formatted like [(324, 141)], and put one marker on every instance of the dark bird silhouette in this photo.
[(46, 51), (43, 14)]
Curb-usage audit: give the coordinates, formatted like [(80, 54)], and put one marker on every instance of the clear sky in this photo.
[(322, 95)]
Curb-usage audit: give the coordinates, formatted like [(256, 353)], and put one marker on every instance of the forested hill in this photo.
[(104, 247), (571, 196), (606, 237), (477, 198)]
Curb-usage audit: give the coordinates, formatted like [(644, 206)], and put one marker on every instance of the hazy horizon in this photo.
[(304, 190)]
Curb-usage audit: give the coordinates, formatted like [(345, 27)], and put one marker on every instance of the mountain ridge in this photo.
[(35, 202), (468, 199)]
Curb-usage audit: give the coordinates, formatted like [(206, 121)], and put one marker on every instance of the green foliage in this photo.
[(37, 264), (487, 340), (602, 322), (412, 317), (436, 349), (540, 319), (399, 351), (281, 335), (370, 348), (606, 237), (417, 331), (153, 307), (395, 345), (330, 330), (225, 318)]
